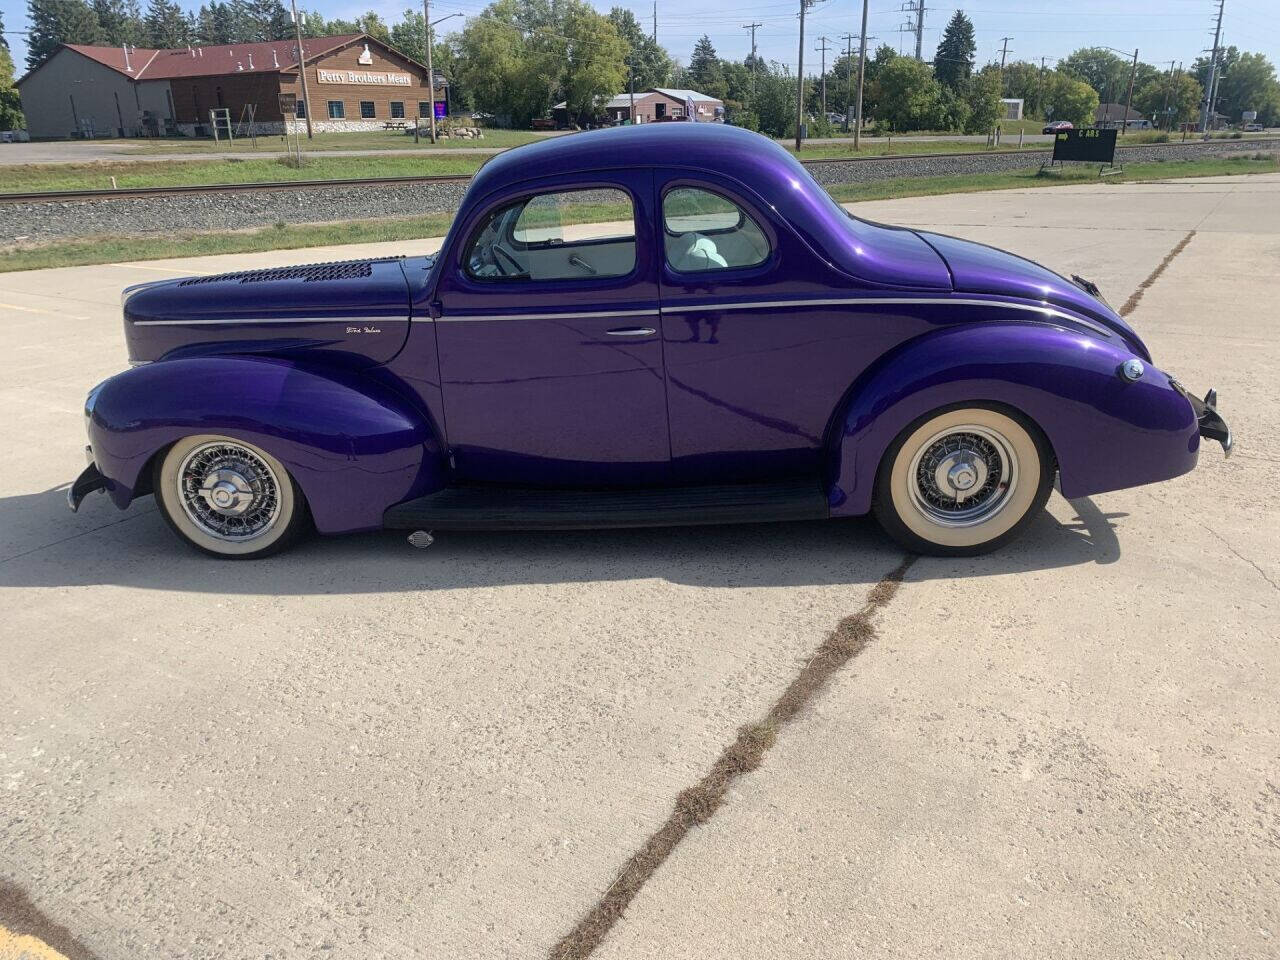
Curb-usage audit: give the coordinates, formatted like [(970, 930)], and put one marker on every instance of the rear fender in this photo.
[(1106, 433), (353, 446)]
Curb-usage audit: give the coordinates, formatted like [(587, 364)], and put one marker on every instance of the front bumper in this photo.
[(1211, 424), (88, 481)]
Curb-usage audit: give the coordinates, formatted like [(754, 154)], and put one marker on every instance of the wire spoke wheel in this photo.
[(229, 498), (963, 476), (963, 480), (229, 491)]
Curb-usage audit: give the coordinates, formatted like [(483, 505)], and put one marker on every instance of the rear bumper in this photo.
[(1211, 424)]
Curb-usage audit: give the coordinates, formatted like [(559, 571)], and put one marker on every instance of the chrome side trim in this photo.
[(1044, 311), (228, 321), (583, 315)]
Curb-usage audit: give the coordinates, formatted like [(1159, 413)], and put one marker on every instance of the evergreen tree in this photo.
[(54, 22), (166, 26), (953, 63), (10, 102), (4, 44), (120, 21), (705, 74)]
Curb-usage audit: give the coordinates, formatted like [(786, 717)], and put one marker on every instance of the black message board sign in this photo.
[(1094, 146), (288, 104)]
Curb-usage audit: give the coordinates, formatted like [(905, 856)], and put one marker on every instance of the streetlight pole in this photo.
[(302, 69), (1128, 100), (431, 74)]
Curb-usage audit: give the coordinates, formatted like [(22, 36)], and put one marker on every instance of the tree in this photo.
[(1250, 84), (166, 25), (215, 23), (55, 22), (1169, 100), (883, 56), (1025, 81), (10, 102), (595, 67), (953, 63), (982, 96), (120, 21), (910, 98), (1067, 98), (650, 65), (705, 74), (774, 105), (1106, 72)]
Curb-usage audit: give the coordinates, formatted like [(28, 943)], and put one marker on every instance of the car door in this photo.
[(758, 351), (550, 356)]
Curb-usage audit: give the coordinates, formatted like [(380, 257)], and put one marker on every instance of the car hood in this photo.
[(978, 268), (358, 309)]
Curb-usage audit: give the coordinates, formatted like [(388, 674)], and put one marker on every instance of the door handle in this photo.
[(632, 332)]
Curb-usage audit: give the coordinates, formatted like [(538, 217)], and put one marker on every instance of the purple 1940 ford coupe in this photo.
[(655, 325)]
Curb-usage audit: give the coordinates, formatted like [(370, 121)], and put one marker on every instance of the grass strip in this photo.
[(119, 249)]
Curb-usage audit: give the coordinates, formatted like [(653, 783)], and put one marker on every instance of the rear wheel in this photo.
[(229, 498), (963, 481)]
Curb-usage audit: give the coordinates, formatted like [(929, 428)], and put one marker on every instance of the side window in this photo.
[(567, 235), (704, 231), (367, 111)]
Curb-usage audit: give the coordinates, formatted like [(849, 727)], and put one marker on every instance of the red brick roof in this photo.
[(213, 61)]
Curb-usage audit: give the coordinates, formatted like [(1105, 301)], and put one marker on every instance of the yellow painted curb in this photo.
[(25, 947)]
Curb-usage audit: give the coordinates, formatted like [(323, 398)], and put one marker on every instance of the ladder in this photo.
[(220, 120)]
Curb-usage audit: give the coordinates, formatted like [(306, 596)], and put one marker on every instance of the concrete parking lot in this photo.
[(1069, 748)]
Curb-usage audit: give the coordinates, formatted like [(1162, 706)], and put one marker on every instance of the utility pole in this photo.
[(1213, 75), (862, 70), (754, 64), (916, 7), (823, 50), (655, 21), (1168, 89), (431, 74), (1004, 51), (1040, 89), (1128, 99), (302, 69), (848, 77), (804, 5)]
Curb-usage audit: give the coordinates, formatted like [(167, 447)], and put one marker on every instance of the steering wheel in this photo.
[(496, 250)]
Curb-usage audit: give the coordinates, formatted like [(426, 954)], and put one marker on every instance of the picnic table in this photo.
[(395, 125)]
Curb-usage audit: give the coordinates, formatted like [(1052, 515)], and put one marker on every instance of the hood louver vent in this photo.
[(308, 273)]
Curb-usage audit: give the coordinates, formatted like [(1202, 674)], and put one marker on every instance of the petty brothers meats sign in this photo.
[(363, 76)]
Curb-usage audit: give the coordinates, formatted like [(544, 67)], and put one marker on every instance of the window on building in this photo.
[(704, 231), (337, 110), (424, 109), (397, 109), (366, 110), (302, 110), (528, 240)]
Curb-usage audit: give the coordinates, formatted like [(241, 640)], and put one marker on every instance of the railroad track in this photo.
[(50, 196), (53, 196)]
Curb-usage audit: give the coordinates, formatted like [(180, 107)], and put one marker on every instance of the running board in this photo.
[(531, 508)]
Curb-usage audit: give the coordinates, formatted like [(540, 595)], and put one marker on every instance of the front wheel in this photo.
[(229, 498), (963, 481)]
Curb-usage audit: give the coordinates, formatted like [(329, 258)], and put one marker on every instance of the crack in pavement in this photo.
[(1132, 303), (697, 804)]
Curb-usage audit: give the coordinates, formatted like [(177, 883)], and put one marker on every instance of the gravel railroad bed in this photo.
[(233, 209)]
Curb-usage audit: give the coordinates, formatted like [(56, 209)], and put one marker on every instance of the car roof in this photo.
[(733, 151)]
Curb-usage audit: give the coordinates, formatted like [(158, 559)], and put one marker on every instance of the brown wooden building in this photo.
[(355, 82)]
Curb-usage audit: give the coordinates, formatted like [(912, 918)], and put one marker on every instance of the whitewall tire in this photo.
[(963, 480), (229, 498)]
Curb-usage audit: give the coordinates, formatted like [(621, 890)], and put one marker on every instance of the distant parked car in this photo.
[(1253, 128), (835, 118), (1057, 125)]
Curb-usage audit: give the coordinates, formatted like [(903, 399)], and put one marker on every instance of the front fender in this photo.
[(353, 446), (1106, 433)]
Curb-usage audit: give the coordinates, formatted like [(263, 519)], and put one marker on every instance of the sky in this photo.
[(1162, 30)]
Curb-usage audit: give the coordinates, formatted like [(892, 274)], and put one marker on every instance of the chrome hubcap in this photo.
[(963, 476), (228, 491)]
